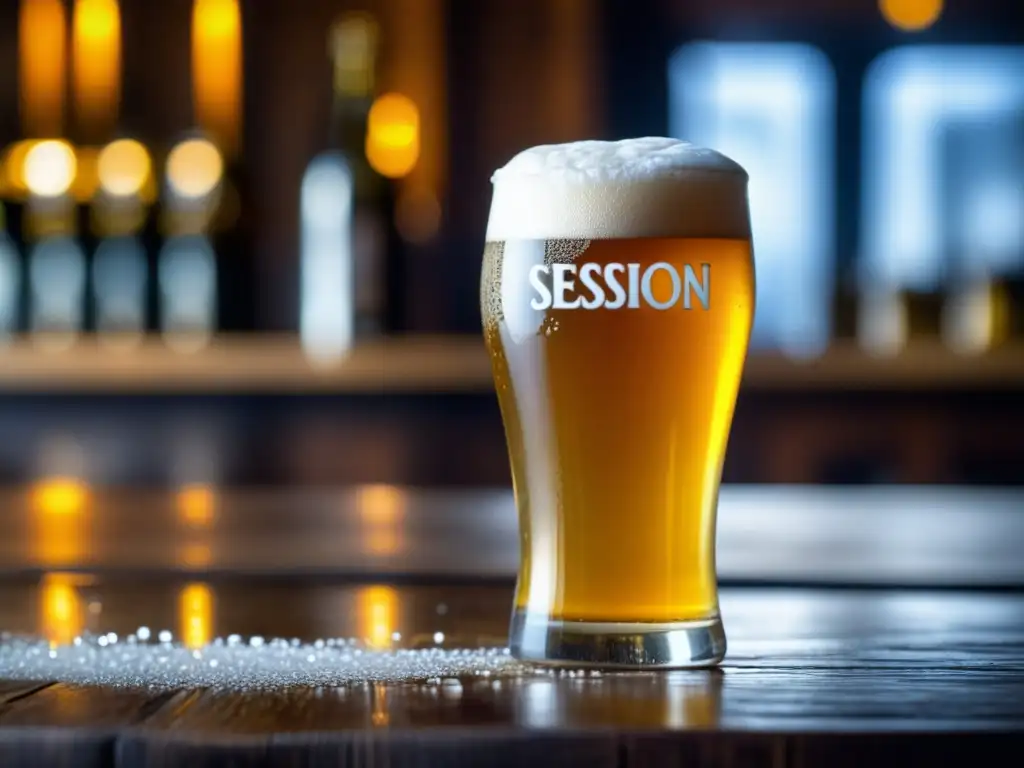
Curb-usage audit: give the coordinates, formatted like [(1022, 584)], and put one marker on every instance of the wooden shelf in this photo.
[(447, 364)]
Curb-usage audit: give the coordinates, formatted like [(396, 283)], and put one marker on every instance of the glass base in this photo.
[(614, 645)]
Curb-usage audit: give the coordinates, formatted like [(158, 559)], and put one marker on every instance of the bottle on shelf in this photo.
[(187, 263), (983, 230), (354, 47), (118, 216), (56, 261)]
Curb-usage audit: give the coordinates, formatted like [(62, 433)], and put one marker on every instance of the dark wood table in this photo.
[(828, 672)]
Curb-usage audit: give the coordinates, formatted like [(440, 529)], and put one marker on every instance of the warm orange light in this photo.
[(416, 66), (380, 717), (911, 15), (96, 52), (381, 504), (195, 554), (59, 496), (87, 179), (60, 522), (42, 36), (393, 135), (377, 611), (50, 167), (382, 510), (194, 169), (195, 614), (60, 609), (124, 168), (14, 167), (217, 69), (196, 505)]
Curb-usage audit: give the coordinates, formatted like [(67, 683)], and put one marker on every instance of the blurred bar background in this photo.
[(240, 241)]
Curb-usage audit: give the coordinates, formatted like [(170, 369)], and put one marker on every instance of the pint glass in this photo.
[(617, 296)]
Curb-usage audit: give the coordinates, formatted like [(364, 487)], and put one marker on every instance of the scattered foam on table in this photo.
[(242, 664)]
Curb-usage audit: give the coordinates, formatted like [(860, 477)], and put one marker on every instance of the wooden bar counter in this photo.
[(864, 654)]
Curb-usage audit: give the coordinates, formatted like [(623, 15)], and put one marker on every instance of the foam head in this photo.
[(649, 187)]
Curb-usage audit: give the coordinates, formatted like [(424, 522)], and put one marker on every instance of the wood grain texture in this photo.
[(813, 678), (68, 706), (13, 690), (60, 725)]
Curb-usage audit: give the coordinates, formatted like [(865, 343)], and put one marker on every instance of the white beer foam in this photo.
[(647, 187)]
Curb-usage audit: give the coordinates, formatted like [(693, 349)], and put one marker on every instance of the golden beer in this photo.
[(617, 361)]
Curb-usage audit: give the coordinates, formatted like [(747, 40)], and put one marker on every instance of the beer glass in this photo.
[(617, 296)]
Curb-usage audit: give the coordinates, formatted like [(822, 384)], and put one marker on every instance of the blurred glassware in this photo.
[(771, 107), (57, 284), (943, 154), (187, 275), (326, 268), (119, 282), (883, 320), (354, 49)]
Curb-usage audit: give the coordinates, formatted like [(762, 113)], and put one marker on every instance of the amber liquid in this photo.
[(617, 422)]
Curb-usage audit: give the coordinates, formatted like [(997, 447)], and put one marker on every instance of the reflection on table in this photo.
[(787, 534)]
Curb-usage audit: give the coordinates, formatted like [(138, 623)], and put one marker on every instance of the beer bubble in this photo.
[(264, 665), (490, 285), (564, 251), (556, 251), (643, 187), (562, 197)]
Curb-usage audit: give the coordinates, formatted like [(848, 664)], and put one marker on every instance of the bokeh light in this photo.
[(194, 169), (195, 615), (61, 608), (381, 504), (217, 69), (50, 168), (378, 613), (196, 505), (911, 15), (124, 168), (59, 496), (14, 167), (42, 50), (393, 135), (195, 555), (382, 510), (96, 51)]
